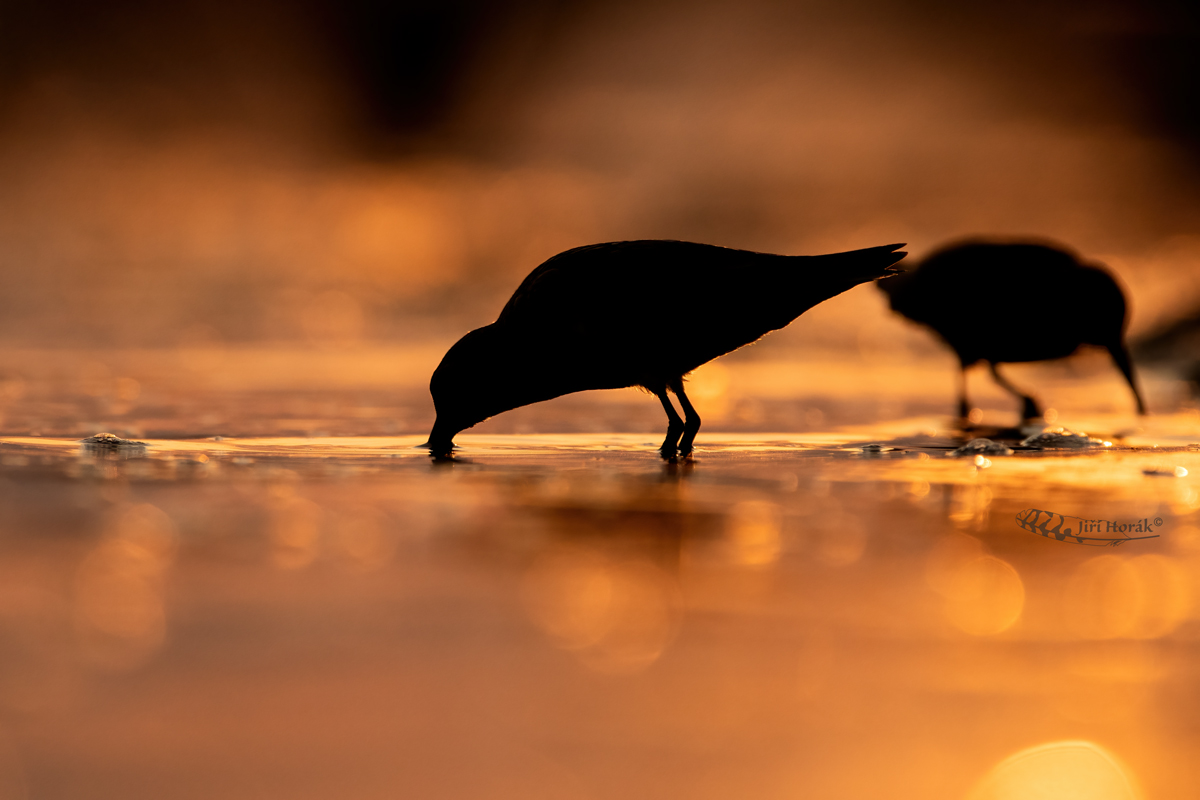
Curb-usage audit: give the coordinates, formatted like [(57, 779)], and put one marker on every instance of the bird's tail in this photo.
[(860, 266)]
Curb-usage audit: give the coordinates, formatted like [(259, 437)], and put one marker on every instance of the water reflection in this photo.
[(969, 504), (616, 615), (752, 533), (818, 660), (13, 783), (840, 538), (37, 671), (983, 594), (362, 539), (118, 589), (1110, 682), (1140, 597), (295, 528), (778, 597)]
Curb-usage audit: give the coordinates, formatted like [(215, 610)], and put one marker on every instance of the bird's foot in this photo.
[(670, 445), (1030, 409), (439, 451)]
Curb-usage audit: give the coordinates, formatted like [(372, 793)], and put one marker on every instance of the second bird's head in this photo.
[(483, 374)]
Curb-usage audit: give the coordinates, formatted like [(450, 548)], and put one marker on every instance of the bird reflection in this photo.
[(673, 471), (642, 313), (1014, 302)]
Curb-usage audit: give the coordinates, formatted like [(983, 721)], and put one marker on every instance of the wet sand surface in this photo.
[(844, 613)]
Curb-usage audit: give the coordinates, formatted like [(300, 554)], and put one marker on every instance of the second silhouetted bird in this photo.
[(1014, 302), (642, 313)]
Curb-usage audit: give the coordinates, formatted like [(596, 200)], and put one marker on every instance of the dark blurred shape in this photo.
[(1047, 55), (1174, 342), (356, 72), (1160, 61), (1176, 346), (1050, 303), (600, 317), (408, 59), (376, 70)]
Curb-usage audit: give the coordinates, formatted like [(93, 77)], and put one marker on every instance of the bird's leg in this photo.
[(675, 425), (1121, 358), (440, 442), (964, 408), (691, 423), (1030, 408)]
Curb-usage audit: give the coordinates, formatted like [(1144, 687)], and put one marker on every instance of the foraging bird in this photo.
[(1069, 304), (601, 317)]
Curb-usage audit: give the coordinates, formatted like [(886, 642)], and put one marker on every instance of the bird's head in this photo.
[(469, 385)]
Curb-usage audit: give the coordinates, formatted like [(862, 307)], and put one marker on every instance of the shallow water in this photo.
[(566, 616)]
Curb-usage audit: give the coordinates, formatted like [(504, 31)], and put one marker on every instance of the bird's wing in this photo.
[(553, 282), (677, 303), (603, 291)]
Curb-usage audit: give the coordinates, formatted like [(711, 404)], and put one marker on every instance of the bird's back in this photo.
[(629, 312)]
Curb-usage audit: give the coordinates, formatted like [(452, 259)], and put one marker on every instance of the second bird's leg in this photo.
[(675, 425), (691, 420), (1029, 409), (1121, 358), (964, 408)]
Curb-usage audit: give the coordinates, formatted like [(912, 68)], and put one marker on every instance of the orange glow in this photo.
[(1186, 540), (945, 562), (983, 594), (841, 542), (333, 319), (1143, 597), (752, 529), (970, 504), (295, 531), (1073, 770), (364, 540), (711, 387), (119, 609), (618, 617)]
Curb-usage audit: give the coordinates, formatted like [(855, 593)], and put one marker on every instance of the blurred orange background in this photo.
[(381, 172)]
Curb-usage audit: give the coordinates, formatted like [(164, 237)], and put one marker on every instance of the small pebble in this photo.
[(109, 440), (981, 446), (1177, 472), (1062, 438)]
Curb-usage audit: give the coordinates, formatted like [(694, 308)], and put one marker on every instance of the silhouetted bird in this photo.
[(1004, 303), (643, 313)]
